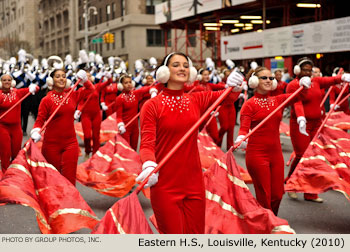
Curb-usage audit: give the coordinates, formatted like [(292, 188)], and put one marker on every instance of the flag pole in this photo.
[(18, 102), (343, 100), (341, 70), (269, 116), (186, 136), (212, 116), (332, 109)]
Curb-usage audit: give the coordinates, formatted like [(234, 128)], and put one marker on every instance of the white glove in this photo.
[(305, 81), (81, 74), (153, 92), (216, 114), (243, 145), (302, 125), (235, 79), (77, 114), (336, 107), (147, 168), (32, 88), (104, 106), (107, 74), (345, 77), (35, 134), (245, 86), (121, 128), (241, 96)]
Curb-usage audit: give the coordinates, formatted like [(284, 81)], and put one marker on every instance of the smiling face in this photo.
[(265, 81), (179, 70), (205, 76), (127, 84), (6, 81), (59, 80), (149, 80), (305, 70)]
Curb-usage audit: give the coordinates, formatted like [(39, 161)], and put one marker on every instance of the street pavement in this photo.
[(330, 217)]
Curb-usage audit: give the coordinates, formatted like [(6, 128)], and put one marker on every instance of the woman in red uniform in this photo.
[(227, 116), (333, 96), (10, 125), (264, 159), (108, 96), (306, 114), (204, 85), (178, 196), (281, 85), (91, 116), (127, 104), (60, 146)]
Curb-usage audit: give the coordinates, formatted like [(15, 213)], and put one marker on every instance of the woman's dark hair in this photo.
[(52, 74), (201, 71), (123, 77), (175, 53)]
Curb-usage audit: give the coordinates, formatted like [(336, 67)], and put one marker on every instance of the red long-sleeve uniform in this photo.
[(264, 157), (309, 107), (199, 86), (280, 89), (10, 126), (227, 119), (178, 199), (333, 96), (108, 96), (60, 145), (91, 116), (127, 105)]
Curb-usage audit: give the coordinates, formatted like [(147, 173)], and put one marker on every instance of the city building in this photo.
[(19, 27)]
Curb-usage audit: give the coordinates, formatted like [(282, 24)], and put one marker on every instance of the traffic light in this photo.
[(105, 38), (111, 38)]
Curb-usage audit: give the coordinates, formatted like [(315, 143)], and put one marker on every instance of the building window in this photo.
[(122, 7), (122, 38), (108, 12), (113, 10), (80, 23), (155, 37), (66, 18), (150, 5), (100, 15), (192, 37)]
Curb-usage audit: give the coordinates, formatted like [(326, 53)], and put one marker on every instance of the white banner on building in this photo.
[(187, 8), (318, 37)]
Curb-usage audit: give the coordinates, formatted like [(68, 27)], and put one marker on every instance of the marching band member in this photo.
[(306, 114), (264, 159), (60, 146), (178, 195), (10, 125)]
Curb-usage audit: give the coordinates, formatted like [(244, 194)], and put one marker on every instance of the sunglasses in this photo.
[(265, 78)]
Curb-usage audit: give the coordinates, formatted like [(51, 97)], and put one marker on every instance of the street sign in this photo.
[(97, 40)]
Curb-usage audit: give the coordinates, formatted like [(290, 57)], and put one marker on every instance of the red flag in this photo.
[(284, 128), (124, 217), (340, 120), (231, 208), (107, 132), (31, 181), (112, 169), (325, 164), (209, 152)]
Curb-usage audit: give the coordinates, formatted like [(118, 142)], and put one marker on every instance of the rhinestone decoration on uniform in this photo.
[(10, 96), (176, 102), (129, 97), (264, 102), (57, 99)]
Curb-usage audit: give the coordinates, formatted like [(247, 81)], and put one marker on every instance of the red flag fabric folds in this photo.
[(340, 120), (31, 181), (231, 208), (107, 132), (209, 152), (325, 164), (112, 170), (124, 217)]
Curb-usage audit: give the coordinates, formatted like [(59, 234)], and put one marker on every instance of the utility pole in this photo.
[(86, 16)]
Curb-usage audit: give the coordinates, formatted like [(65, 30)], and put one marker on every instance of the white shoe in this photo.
[(292, 195), (318, 200)]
